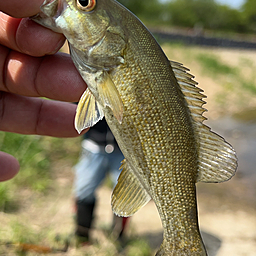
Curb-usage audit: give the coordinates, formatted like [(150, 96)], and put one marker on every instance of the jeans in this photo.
[(92, 168)]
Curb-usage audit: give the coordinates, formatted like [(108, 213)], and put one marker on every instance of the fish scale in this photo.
[(158, 177), (154, 109)]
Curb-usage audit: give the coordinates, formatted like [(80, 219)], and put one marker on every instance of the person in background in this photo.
[(100, 155)]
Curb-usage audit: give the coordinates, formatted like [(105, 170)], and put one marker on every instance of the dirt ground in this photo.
[(227, 212)]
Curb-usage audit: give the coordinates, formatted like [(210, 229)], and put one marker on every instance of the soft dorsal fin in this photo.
[(129, 195), (88, 111), (217, 160)]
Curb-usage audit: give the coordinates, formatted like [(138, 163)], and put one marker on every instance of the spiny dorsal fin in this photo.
[(217, 160), (88, 111), (129, 195)]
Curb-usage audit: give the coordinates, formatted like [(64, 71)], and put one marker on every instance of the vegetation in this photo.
[(249, 14), (232, 83), (36, 155), (212, 65), (35, 197), (42, 159), (207, 14)]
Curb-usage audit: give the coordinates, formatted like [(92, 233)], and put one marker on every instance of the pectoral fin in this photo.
[(129, 195), (110, 96), (88, 111)]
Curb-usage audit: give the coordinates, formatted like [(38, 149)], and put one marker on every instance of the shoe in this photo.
[(84, 218)]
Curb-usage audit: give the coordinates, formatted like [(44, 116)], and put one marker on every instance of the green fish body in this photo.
[(154, 110)]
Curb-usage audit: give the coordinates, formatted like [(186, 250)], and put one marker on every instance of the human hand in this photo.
[(29, 70)]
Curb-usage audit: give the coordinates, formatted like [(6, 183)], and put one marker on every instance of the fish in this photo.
[(153, 107)]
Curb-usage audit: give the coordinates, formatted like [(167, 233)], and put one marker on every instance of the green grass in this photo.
[(37, 155), (34, 161), (24, 233), (237, 81), (138, 247), (245, 62), (249, 86), (34, 171), (214, 66), (5, 196), (41, 158)]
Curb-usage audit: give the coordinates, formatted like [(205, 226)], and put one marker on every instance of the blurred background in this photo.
[(216, 40)]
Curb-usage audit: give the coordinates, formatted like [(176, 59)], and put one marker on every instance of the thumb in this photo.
[(9, 166)]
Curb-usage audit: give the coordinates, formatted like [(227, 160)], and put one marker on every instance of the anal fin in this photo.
[(129, 195), (217, 158)]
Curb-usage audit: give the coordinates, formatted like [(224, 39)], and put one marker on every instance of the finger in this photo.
[(21, 8), (26, 115), (26, 36), (9, 166), (53, 76)]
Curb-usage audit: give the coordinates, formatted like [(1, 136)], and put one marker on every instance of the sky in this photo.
[(232, 3)]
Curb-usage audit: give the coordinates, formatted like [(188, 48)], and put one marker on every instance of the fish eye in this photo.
[(86, 5)]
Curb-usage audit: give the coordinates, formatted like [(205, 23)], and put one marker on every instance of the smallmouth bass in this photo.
[(154, 110)]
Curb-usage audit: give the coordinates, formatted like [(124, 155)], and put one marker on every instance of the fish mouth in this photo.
[(50, 7), (50, 11)]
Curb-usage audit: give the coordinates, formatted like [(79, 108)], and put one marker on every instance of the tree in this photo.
[(249, 14), (188, 13), (133, 5), (207, 13), (148, 10)]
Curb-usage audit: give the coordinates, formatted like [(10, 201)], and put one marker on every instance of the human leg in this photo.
[(90, 171)]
